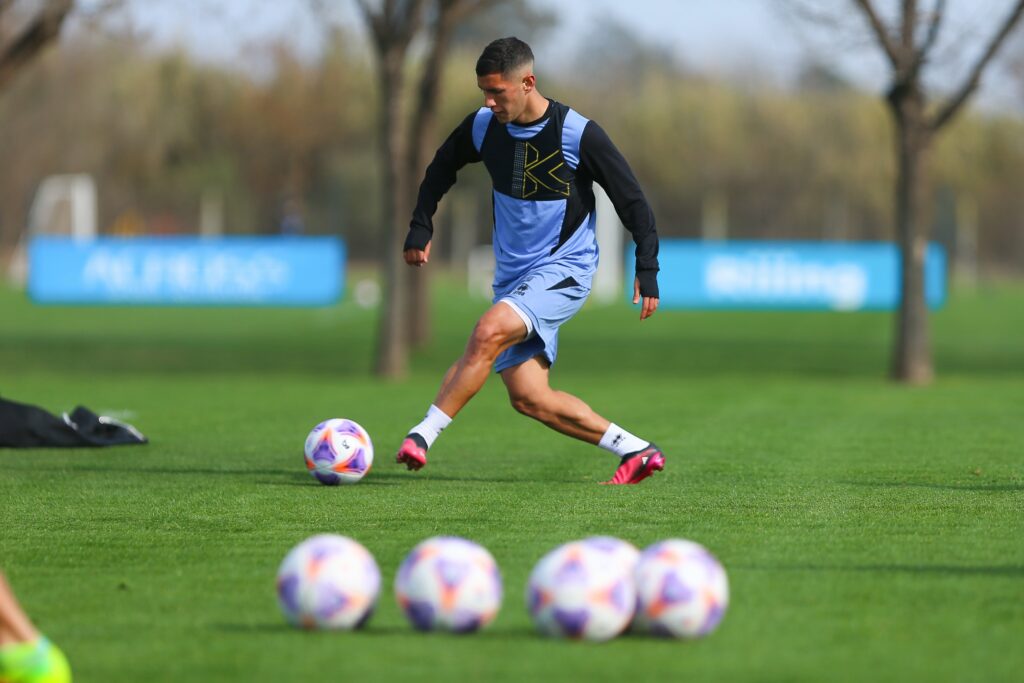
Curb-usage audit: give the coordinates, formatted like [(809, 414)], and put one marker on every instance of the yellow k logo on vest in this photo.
[(539, 173)]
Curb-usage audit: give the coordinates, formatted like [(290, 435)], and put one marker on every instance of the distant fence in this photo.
[(788, 275), (254, 271)]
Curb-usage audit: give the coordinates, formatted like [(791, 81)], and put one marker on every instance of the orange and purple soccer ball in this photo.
[(338, 451), (581, 591), (449, 583), (328, 582), (682, 590)]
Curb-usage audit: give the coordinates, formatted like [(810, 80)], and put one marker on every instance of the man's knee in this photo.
[(486, 340), (535, 404), (524, 404), (492, 334)]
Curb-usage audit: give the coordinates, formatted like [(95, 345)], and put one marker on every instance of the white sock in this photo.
[(620, 442), (432, 426)]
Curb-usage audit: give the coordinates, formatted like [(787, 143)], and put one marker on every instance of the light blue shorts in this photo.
[(545, 298)]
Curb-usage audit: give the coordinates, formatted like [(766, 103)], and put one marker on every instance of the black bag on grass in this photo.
[(26, 426)]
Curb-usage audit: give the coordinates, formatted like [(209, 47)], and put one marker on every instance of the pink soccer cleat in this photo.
[(638, 466), (413, 452)]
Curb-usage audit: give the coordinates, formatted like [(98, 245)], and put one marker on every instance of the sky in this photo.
[(705, 33), (727, 38), (713, 36)]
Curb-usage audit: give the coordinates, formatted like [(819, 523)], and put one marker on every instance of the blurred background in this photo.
[(743, 119)]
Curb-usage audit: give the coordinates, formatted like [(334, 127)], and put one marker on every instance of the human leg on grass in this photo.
[(530, 392), (499, 328)]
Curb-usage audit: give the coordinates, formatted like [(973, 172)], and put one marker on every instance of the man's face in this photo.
[(505, 94)]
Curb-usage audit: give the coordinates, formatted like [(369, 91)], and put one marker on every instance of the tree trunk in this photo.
[(912, 354), (392, 340), (422, 142)]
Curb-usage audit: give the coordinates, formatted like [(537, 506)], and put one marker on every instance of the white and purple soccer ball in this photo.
[(328, 582), (682, 590), (580, 590), (448, 583), (617, 551), (338, 451)]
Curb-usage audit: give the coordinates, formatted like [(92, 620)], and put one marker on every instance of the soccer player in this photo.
[(543, 159), (26, 656)]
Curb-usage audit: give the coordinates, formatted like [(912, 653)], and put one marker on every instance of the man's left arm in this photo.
[(603, 161)]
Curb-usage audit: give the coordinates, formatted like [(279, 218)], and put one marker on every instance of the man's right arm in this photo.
[(457, 151)]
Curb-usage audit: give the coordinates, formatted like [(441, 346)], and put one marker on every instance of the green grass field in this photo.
[(870, 531)]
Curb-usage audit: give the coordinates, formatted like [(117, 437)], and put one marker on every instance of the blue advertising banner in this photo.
[(251, 271), (788, 275)]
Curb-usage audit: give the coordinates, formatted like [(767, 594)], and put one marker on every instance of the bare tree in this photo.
[(908, 43), (448, 15), (30, 38), (392, 27), (907, 36), (405, 150)]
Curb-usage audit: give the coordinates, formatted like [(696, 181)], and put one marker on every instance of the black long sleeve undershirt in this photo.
[(454, 153), (600, 159)]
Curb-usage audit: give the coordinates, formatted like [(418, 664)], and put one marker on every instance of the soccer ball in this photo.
[(620, 553), (682, 590), (338, 452), (328, 581), (579, 590), (450, 584)]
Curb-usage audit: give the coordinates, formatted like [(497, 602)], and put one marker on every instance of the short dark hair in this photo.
[(503, 56)]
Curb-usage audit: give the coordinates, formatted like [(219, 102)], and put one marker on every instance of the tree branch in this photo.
[(374, 20), (908, 30), (953, 104), (394, 25), (921, 54), (880, 31), (37, 34), (449, 14), (404, 19)]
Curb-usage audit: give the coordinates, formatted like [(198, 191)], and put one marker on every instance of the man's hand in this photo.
[(650, 302), (417, 257)]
